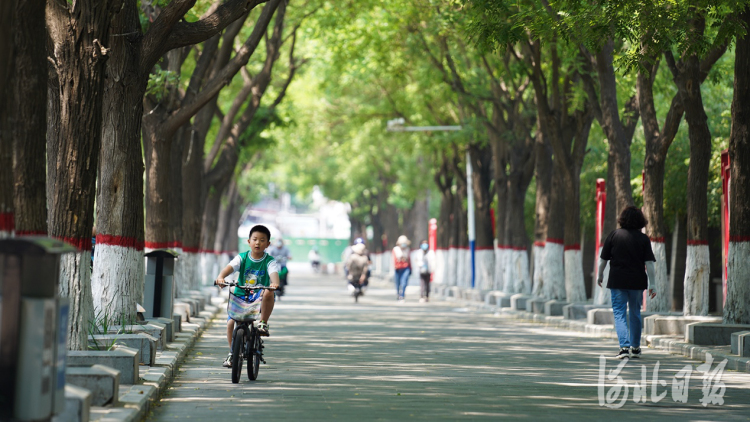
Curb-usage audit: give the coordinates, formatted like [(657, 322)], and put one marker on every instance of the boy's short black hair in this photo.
[(632, 218), (261, 229)]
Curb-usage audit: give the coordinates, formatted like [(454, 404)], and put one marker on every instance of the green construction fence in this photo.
[(329, 249)]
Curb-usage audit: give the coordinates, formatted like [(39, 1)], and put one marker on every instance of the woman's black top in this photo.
[(627, 252)]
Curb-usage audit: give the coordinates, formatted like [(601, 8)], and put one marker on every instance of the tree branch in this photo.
[(169, 32)]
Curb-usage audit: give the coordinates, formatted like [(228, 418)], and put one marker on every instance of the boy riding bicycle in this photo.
[(255, 267)]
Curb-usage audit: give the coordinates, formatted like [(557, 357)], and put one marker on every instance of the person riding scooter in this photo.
[(357, 266)]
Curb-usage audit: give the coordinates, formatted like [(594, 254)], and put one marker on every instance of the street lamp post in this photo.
[(397, 125)]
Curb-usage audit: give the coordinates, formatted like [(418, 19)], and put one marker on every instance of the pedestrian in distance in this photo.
[(357, 269), (255, 266), (401, 263), (281, 254), (424, 261), (628, 252)]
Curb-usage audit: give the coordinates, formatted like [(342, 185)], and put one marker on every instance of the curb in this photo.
[(135, 400), (675, 345)]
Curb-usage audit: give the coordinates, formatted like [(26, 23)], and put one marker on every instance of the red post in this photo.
[(601, 203), (726, 176), (432, 237)]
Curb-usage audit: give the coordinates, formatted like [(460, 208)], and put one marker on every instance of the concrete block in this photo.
[(182, 309), (580, 310), (554, 307), (712, 334), (503, 300), (672, 325), (176, 325), (518, 301), (600, 316), (138, 397), (168, 326), (454, 292), (143, 342), (536, 305), (77, 405), (154, 329), (741, 343), (102, 381), (123, 359)]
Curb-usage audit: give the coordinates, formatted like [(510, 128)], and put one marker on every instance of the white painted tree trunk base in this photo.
[(207, 267), (117, 281), (663, 300), (485, 267), (461, 268), (553, 271), (191, 272), (500, 260), (602, 295), (439, 274), (451, 267), (575, 287), (75, 284), (538, 281), (696, 281), (518, 270), (737, 306)]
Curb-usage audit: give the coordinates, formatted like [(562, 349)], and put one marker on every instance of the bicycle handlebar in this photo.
[(248, 286)]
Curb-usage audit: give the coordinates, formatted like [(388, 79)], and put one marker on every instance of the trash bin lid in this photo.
[(163, 253), (35, 245)]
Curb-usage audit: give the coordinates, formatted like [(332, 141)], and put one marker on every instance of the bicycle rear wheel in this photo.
[(237, 344), (253, 351)]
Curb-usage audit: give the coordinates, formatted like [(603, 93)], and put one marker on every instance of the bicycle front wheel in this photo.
[(237, 343), (253, 351)]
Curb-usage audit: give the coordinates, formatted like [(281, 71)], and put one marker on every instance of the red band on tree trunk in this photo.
[(126, 242)]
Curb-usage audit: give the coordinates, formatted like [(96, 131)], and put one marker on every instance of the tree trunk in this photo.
[(443, 236), (224, 222), (7, 18), (575, 288), (30, 122), (543, 176), (502, 251), (484, 254), (208, 236), (552, 258), (117, 279), (157, 152), (194, 194), (737, 305), (619, 142), (79, 32), (697, 271), (657, 146)]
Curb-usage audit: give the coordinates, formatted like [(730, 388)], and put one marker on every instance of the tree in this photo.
[(135, 50), (738, 289), (79, 33)]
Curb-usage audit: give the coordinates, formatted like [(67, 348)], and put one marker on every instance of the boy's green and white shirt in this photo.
[(253, 271)]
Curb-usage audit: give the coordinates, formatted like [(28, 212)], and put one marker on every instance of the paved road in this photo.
[(379, 360)]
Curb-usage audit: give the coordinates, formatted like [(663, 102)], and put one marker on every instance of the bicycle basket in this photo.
[(243, 310)]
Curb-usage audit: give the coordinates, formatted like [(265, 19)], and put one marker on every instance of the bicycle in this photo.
[(246, 341)]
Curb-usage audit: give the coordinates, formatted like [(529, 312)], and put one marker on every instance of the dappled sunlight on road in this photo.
[(329, 358)]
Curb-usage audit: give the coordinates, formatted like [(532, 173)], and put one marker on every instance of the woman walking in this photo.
[(628, 252), (402, 265)]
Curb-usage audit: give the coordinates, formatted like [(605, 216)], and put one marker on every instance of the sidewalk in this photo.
[(378, 360)]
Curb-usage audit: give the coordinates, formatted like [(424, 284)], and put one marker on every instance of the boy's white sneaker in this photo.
[(228, 361)]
